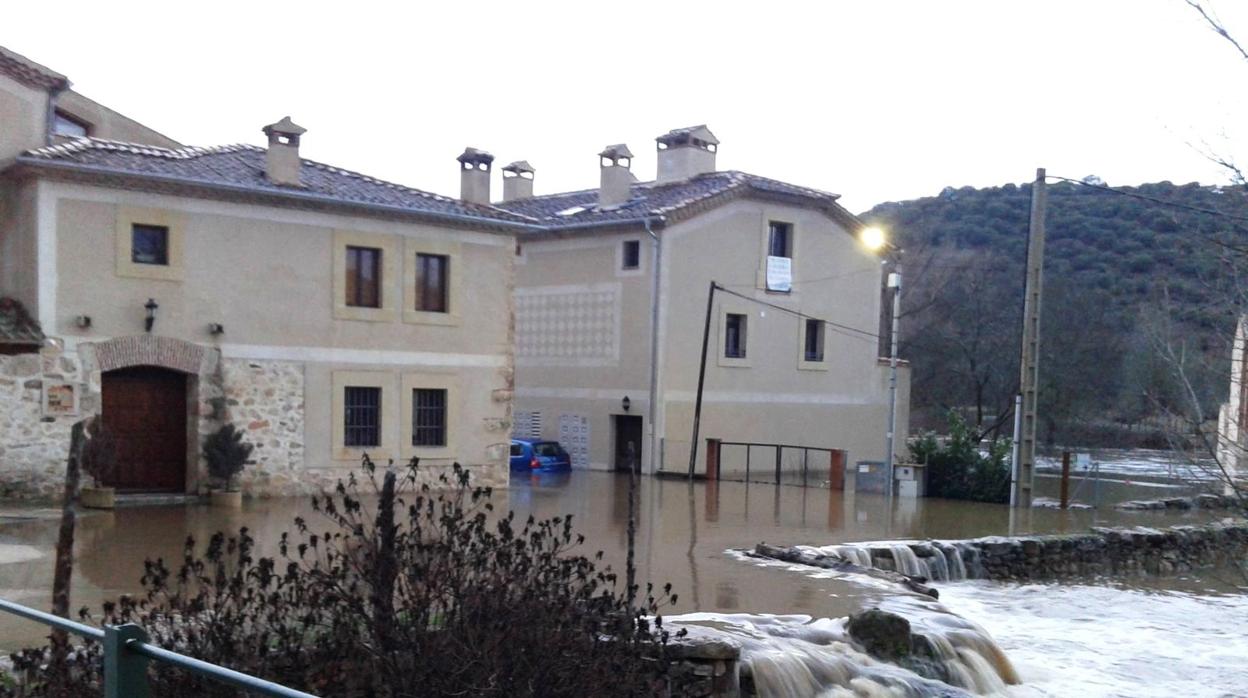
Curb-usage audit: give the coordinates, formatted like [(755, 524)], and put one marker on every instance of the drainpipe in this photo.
[(653, 408)]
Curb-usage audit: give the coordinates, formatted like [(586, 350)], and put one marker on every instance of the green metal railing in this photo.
[(127, 652)]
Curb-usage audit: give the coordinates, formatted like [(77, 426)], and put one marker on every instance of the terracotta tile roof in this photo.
[(16, 325), (243, 166), (30, 73), (579, 208)]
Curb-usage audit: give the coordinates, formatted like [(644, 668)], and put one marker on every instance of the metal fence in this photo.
[(782, 464), (127, 653)]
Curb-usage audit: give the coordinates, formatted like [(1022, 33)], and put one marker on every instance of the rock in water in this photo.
[(882, 634)]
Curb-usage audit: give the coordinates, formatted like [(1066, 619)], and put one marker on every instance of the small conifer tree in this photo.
[(226, 453)]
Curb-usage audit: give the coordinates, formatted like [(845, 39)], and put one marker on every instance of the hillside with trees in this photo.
[(1141, 291)]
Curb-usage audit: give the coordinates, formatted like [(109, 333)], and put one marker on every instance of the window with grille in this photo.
[(363, 277), (149, 244), (734, 336), (428, 417), (780, 239), (361, 417), (432, 282), (632, 254), (814, 340)]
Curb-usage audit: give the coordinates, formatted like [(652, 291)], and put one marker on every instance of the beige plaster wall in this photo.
[(106, 123), (23, 118), (769, 399), (18, 243), (267, 275)]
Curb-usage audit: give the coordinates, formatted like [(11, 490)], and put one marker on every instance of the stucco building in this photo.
[(171, 289), (620, 274)]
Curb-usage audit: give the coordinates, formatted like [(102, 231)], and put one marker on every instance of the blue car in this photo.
[(530, 455)]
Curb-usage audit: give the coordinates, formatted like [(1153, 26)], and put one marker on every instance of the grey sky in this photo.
[(874, 100)]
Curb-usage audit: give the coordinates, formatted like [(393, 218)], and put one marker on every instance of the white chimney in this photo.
[(685, 152), (518, 181), (281, 161), (617, 180), (474, 176)]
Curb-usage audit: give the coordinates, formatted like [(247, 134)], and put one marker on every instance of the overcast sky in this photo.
[(874, 100)]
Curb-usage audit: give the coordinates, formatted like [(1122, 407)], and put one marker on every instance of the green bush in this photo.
[(226, 453), (958, 469)]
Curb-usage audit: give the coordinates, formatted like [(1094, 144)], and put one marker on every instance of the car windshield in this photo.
[(516, 449), (548, 448)]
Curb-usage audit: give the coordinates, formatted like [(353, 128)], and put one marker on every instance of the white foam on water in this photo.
[(1107, 641)]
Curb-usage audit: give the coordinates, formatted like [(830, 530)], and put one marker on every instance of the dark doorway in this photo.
[(627, 429), (145, 408)]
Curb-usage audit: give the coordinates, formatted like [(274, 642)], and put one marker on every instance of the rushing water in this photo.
[(687, 533)]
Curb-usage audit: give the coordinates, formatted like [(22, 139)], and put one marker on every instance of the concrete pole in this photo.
[(1029, 380), (894, 283), (652, 410)]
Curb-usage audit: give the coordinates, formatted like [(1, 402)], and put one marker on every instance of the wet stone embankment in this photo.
[(1100, 552)]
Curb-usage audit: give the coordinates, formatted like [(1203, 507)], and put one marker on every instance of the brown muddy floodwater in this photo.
[(687, 536)]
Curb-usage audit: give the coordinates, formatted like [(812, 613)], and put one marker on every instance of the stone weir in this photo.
[(1100, 552)]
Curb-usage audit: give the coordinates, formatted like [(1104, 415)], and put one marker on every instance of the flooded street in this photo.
[(1063, 639)]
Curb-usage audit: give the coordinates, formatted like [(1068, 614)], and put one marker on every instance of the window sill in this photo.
[(425, 317), (803, 365), (429, 453), (351, 312), (731, 362), (352, 453)]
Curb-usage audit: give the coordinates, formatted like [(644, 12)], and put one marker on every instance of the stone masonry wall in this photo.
[(33, 448), (266, 400)]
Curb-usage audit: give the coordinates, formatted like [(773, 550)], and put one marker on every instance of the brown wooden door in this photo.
[(145, 409)]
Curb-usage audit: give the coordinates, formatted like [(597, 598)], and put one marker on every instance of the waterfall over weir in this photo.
[(936, 561), (796, 655)]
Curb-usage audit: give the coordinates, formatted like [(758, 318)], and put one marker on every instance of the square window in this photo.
[(432, 282), (65, 125), (361, 417), (814, 340), (429, 417), (734, 336), (363, 277), (632, 254), (780, 239), (149, 244)]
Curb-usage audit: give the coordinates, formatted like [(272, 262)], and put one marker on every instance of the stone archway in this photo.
[(204, 383)]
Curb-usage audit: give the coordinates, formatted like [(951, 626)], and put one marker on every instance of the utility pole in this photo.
[(1029, 365), (697, 405), (894, 283)]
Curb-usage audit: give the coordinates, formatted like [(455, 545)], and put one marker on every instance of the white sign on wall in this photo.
[(779, 274), (574, 435)]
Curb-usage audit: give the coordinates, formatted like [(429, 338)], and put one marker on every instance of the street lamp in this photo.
[(874, 239)]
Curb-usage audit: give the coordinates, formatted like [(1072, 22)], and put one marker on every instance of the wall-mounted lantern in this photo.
[(215, 328), (150, 306), (83, 322), (626, 403)]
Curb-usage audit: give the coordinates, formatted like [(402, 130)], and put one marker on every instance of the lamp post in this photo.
[(874, 239), (894, 283)]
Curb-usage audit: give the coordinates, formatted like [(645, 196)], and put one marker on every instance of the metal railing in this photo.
[(127, 652), (776, 461)]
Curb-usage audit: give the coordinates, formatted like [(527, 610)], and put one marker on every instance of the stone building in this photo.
[(171, 289), (611, 306)]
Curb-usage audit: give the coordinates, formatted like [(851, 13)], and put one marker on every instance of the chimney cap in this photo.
[(616, 152), (475, 156), (698, 135), (285, 127), (520, 167)]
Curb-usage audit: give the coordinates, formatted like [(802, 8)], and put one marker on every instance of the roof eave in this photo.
[(25, 165)]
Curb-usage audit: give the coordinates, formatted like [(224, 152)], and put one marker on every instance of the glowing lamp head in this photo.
[(872, 238)]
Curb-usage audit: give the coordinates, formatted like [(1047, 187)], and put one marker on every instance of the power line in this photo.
[(865, 334), (1153, 199)]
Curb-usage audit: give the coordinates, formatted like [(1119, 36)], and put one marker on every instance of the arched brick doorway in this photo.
[(158, 369), (145, 410)]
